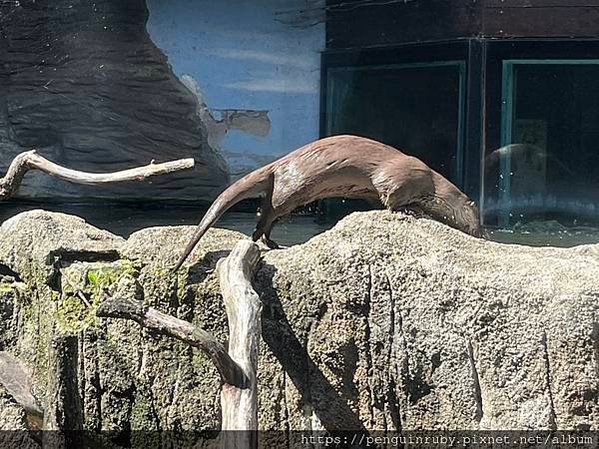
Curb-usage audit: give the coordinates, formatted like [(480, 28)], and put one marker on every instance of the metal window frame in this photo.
[(461, 66), (508, 110)]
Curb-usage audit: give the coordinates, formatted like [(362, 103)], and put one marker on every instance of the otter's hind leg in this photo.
[(264, 226), (267, 217), (266, 237)]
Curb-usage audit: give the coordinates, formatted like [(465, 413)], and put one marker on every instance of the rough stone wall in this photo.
[(422, 327), (83, 82), (385, 322)]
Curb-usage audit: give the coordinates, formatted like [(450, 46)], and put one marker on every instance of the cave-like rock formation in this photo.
[(83, 82)]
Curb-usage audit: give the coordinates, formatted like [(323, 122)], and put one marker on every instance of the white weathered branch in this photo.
[(30, 160), (243, 307), (238, 366), (170, 326)]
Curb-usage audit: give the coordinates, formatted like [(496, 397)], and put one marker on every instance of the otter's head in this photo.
[(466, 217), (451, 206)]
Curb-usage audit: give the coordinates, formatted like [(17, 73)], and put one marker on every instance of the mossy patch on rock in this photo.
[(33, 243), (83, 286)]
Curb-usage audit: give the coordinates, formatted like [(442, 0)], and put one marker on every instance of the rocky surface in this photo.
[(83, 82), (385, 322)]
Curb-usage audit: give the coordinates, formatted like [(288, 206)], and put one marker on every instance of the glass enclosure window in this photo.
[(417, 108), (547, 168)]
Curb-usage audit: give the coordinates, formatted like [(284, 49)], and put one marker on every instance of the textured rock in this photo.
[(83, 81), (13, 428), (385, 322), (52, 240), (419, 327)]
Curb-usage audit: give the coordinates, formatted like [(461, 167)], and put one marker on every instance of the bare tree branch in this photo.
[(170, 326), (238, 367), (244, 308), (30, 160), (19, 385)]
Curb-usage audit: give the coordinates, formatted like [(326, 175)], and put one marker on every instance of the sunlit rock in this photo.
[(384, 322)]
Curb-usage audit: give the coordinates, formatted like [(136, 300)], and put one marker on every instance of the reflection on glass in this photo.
[(417, 108), (547, 171)]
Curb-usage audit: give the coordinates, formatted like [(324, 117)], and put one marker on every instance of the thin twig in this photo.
[(30, 160)]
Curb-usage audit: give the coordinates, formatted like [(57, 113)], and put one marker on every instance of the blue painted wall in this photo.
[(244, 57)]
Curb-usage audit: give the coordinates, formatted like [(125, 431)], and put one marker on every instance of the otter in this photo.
[(349, 167)]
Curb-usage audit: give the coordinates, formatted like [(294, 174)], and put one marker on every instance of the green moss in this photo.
[(73, 315), (182, 284), (143, 414), (38, 318), (106, 275), (200, 360), (83, 287), (6, 287)]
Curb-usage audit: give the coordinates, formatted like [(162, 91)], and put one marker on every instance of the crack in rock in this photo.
[(552, 416), (478, 396)]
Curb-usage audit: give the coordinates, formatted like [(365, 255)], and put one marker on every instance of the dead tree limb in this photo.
[(243, 307), (168, 325), (30, 160), (238, 366), (16, 381)]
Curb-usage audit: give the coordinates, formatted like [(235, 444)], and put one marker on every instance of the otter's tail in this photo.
[(250, 186)]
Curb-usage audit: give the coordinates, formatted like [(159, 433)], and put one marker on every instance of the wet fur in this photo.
[(348, 167)]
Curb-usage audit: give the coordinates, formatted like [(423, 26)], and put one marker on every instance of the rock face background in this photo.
[(83, 82), (385, 322)]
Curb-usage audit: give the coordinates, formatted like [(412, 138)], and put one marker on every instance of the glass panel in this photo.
[(546, 173), (416, 108)]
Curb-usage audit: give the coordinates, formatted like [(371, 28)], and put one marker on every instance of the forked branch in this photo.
[(238, 366), (30, 160), (170, 326), (244, 309)]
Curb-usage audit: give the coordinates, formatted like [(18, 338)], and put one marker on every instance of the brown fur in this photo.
[(349, 167)]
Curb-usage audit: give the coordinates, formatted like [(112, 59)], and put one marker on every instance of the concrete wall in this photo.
[(245, 55)]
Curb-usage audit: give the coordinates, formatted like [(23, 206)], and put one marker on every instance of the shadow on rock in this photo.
[(316, 391)]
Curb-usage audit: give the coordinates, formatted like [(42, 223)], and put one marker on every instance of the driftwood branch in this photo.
[(170, 326), (243, 306), (238, 366), (30, 160), (16, 381)]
